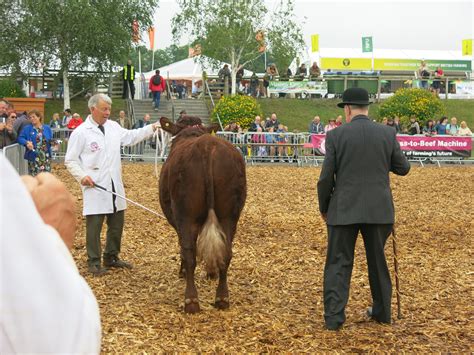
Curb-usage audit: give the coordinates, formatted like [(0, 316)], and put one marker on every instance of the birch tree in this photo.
[(229, 30), (72, 34)]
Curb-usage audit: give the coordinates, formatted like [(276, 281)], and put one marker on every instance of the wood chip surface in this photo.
[(276, 274)]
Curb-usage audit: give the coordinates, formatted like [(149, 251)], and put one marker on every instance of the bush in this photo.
[(412, 102), (10, 88), (238, 108)]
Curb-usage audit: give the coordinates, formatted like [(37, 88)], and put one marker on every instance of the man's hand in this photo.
[(155, 126), (324, 216), (9, 126), (87, 181), (29, 145), (55, 204)]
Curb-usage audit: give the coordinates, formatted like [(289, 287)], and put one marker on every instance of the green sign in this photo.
[(414, 64), (367, 44)]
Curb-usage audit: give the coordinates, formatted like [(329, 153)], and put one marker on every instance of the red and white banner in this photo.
[(417, 146)]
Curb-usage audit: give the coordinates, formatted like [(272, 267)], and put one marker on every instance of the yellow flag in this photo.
[(467, 47), (314, 43)]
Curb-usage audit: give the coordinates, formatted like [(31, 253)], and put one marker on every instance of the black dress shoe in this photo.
[(370, 314), (333, 327), (97, 270), (116, 262)]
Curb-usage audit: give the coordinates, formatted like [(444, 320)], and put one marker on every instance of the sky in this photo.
[(394, 24)]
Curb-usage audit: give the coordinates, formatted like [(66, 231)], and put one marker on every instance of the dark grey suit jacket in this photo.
[(354, 185)]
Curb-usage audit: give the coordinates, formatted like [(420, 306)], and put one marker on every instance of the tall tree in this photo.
[(229, 30), (73, 34)]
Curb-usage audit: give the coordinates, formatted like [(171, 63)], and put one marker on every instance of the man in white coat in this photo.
[(93, 157)]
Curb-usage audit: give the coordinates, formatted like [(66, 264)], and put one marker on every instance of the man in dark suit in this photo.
[(354, 195)]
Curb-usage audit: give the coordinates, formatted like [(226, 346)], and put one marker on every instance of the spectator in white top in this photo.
[(46, 306), (464, 130)]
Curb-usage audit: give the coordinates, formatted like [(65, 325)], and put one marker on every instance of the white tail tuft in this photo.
[(211, 244)]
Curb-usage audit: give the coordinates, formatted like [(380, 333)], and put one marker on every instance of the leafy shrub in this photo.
[(412, 102), (10, 88), (237, 108)]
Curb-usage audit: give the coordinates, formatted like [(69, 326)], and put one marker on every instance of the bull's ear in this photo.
[(169, 126), (213, 128)]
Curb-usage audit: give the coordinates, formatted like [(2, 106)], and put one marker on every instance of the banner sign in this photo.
[(417, 146), (367, 44), (314, 43), (393, 64), (346, 63), (297, 87), (464, 87), (437, 146), (467, 46), (414, 64)]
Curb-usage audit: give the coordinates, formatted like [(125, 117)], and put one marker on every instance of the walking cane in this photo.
[(397, 281)]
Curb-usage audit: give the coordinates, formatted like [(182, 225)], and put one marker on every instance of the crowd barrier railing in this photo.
[(156, 146), (255, 147), (15, 155)]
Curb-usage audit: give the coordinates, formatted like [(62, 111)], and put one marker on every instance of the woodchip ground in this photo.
[(275, 277)]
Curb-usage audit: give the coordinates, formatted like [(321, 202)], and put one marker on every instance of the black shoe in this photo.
[(97, 270), (333, 327), (370, 314), (116, 262)]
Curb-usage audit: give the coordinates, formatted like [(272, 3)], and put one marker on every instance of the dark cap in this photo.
[(355, 96)]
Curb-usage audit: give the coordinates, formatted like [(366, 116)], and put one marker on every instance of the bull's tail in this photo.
[(212, 244)]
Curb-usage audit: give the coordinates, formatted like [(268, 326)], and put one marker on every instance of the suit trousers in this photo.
[(115, 223), (338, 270)]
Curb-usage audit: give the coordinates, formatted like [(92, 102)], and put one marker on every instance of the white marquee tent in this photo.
[(189, 69)]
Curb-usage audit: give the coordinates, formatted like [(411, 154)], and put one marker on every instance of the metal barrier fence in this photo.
[(15, 155), (255, 147), (156, 147)]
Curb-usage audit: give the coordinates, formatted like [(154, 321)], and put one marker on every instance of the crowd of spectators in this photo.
[(431, 127), (30, 130)]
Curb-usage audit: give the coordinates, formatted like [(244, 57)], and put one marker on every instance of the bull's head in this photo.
[(190, 124)]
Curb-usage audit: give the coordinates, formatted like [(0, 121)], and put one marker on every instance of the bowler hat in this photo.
[(355, 96)]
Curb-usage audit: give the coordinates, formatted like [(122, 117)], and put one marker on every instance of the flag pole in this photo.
[(372, 53), (140, 71)]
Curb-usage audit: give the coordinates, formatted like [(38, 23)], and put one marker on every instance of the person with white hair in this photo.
[(93, 157)]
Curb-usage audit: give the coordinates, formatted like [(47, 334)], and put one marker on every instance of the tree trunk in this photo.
[(67, 100), (233, 64), (233, 77)]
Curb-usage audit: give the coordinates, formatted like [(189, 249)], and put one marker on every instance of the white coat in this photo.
[(91, 153)]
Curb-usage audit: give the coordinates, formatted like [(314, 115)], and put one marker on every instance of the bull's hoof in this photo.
[(212, 276), (222, 303), (191, 306)]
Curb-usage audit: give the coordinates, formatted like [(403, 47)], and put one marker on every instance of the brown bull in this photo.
[(202, 193)]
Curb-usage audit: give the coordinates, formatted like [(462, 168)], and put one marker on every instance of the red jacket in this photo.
[(160, 87), (74, 123)]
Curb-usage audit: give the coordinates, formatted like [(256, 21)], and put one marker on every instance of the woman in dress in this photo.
[(37, 140)]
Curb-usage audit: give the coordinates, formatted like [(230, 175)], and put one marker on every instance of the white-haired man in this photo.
[(93, 157)]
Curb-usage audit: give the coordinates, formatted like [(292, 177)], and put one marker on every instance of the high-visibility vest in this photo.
[(132, 74)]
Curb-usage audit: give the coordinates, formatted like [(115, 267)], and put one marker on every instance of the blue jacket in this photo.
[(29, 134)]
